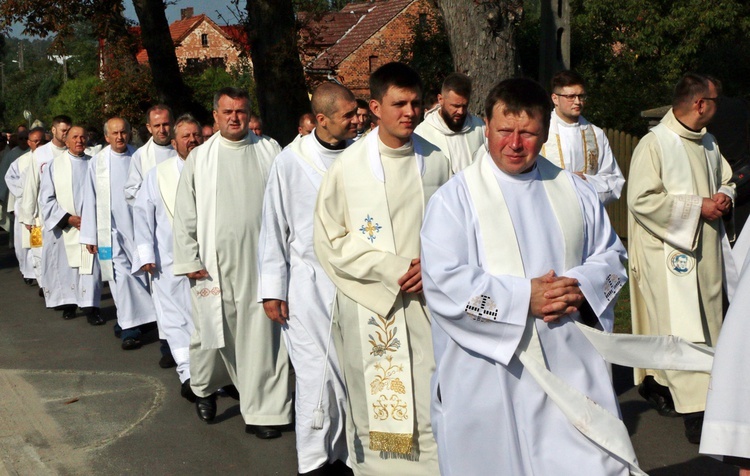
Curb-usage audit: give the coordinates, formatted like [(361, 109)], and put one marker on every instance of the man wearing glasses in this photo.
[(577, 145), (678, 190)]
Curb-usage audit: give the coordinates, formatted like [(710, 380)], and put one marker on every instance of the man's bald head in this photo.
[(326, 96)]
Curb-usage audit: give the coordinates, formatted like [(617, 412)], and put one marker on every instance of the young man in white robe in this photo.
[(216, 227), (511, 248), (296, 292), (678, 191), (575, 144), (30, 211), (153, 214), (107, 230), (450, 126), (366, 238), (72, 277), (157, 149), (15, 179)]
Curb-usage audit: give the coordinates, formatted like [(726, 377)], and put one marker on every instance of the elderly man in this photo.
[(156, 150), (677, 193), (577, 145), (302, 305), (107, 230), (30, 212), (72, 274), (451, 127), (153, 214), (14, 179), (367, 219), (216, 225), (511, 248)]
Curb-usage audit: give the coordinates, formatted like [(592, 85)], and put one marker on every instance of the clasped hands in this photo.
[(715, 207), (554, 296)]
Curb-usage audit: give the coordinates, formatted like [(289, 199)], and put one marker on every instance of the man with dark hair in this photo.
[(107, 230), (512, 248), (677, 193), (367, 219), (30, 212), (363, 118), (577, 145), (450, 127), (217, 219), (72, 277), (159, 121), (303, 306)]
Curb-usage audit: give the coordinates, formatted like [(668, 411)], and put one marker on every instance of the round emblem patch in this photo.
[(680, 263)]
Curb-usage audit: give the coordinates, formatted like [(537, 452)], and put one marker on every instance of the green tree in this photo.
[(212, 79), (79, 99), (430, 52)]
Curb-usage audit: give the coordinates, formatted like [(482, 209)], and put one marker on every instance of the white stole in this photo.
[(682, 282), (104, 212), (148, 157), (552, 149), (667, 352), (24, 163), (167, 178), (387, 365), (77, 254)]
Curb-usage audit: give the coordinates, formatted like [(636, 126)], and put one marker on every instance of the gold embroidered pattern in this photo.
[(400, 443), (386, 335), (385, 379), (205, 292)]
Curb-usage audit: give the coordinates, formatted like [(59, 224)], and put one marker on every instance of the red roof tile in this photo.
[(324, 30), (378, 14)]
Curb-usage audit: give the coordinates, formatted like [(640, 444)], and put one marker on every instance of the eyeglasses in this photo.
[(570, 97)]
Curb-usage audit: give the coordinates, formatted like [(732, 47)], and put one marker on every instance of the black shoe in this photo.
[(95, 319), (167, 361), (69, 314), (693, 427), (186, 392), (658, 396), (230, 391), (117, 330), (29, 282), (263, 432), (131, 344), (41, 292), (206, 408)]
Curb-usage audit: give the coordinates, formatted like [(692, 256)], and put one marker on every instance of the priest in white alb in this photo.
[(157, 149), (295, 290), (72, 276), (366, 237), (512, 248), (680, 262), (577, 145), (450, 126), (107, 230), (29, 212), (216, 226), (153, 215), (15, 179)]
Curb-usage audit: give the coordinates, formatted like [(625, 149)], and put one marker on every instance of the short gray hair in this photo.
[(106, 129)]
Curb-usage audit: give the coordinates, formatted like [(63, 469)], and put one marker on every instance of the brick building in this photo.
[(348, 45), (201, 43)]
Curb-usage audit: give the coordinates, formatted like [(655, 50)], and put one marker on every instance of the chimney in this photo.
[(186, 13)]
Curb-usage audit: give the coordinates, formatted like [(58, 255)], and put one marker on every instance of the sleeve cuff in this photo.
[(185, 268)]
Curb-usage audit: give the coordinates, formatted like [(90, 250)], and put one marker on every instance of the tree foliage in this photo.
[(430, 53), (79, 99), (212, 79)]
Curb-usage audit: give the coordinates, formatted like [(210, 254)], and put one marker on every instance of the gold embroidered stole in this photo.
[(384, 339), (552, 149)]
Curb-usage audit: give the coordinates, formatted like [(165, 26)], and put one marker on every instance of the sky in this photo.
[(210, 8)]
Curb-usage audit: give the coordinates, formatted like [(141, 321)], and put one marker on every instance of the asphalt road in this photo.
[(72, 402)]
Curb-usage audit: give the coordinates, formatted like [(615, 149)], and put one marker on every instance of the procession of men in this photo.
[(434, 295)]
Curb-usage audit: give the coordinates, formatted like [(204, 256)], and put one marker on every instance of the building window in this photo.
[(373, 63), (204, 39)]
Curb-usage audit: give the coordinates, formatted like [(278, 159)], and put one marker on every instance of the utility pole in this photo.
[(554, 41)]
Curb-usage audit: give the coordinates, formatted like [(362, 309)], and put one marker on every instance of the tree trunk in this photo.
[(483, 43), (162, 59), (280, 82)]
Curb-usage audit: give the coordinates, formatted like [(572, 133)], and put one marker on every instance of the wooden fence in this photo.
[(622, 145)]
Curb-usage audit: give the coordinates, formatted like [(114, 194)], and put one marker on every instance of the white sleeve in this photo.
[(273, 244)]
